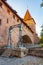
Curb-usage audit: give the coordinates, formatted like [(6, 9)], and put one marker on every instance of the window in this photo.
[(0, 21), (0, 4), (13, 16), (8, 11), (17, 20), (7, 20)]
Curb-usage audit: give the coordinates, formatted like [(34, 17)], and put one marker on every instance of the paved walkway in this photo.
[(28, 60)]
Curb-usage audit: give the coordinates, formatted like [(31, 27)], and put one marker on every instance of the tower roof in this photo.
[(27, 15)]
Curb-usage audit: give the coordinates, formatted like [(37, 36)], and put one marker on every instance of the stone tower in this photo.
[(32, 24), (30, 21)]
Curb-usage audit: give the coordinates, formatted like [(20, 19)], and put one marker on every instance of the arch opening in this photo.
[(26, 39)]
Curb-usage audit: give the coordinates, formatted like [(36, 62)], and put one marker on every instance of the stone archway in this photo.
[(26, 39)]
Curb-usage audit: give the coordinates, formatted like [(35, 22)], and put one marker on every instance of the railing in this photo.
[(27, 45)]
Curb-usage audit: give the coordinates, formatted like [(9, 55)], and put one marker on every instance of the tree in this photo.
[(41, 4), (41, 39)]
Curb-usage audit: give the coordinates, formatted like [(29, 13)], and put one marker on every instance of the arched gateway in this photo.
[(26, 39)]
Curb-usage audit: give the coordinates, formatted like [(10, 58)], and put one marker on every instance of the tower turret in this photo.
[(30, 21)]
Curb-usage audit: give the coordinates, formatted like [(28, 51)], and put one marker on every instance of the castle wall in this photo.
[(7, 19)]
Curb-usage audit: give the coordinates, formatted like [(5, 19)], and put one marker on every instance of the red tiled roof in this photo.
[(28, 16)]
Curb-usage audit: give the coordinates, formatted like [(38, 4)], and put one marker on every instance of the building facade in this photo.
[(9, 17)]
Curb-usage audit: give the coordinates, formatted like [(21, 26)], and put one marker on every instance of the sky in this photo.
[(34, 8)]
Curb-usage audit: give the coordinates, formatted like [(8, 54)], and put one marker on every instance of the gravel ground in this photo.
[(28, 60)]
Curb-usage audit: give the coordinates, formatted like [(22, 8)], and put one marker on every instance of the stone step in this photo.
[(1, 51), (7, 53)]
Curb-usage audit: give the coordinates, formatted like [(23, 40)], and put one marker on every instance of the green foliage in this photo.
[(41, 39), (41, 4)]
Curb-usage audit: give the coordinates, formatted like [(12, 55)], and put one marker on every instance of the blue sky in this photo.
[(34, 8)]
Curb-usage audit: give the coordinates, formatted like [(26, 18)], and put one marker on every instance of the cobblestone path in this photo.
[(28, 60)]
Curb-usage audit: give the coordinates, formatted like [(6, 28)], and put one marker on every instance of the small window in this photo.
[(17, 20), (0, 22), (0, 4), (13, 16), (7, 20), (8, 11)]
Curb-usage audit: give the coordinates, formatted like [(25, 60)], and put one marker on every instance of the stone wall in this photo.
[(7, 19)]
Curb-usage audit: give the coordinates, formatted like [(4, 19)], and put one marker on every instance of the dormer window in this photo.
[(0, 22), (0, 4)]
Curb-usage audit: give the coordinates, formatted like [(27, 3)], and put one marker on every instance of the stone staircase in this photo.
[(2, 51), (36, 52), (7, 53)]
